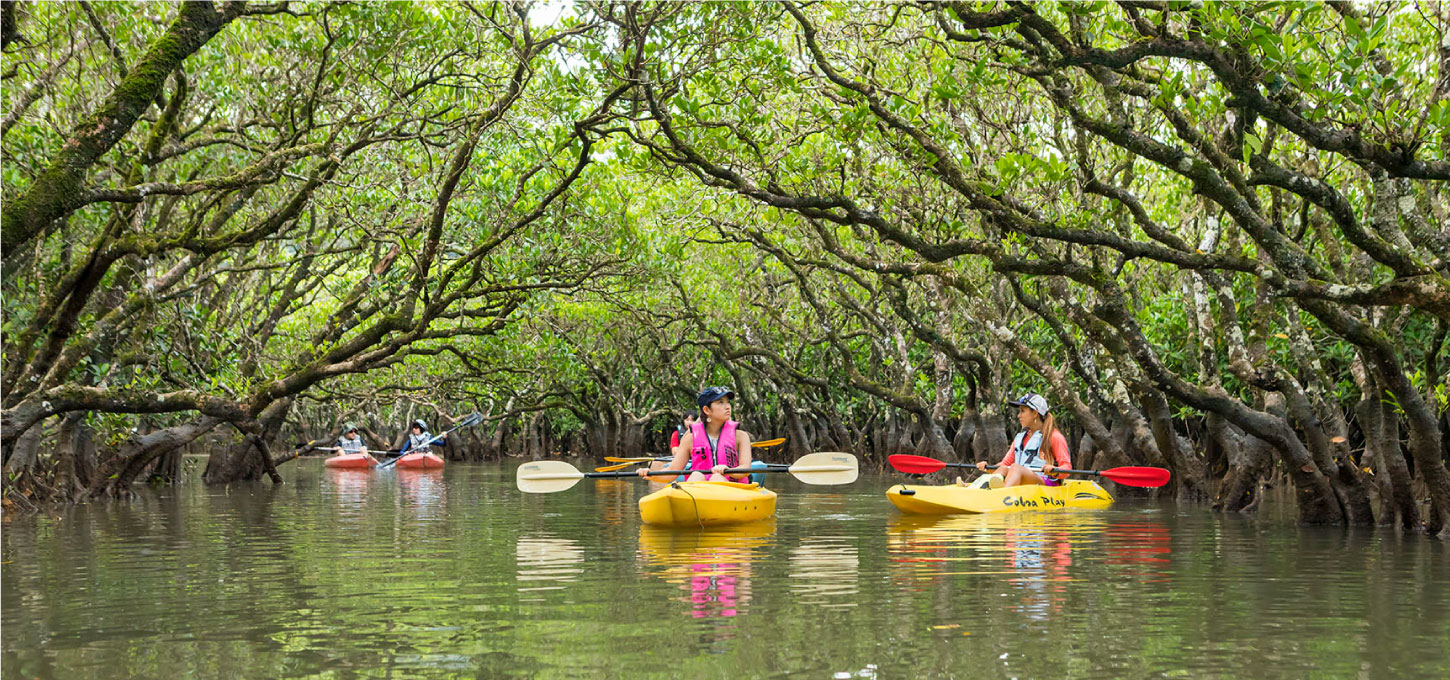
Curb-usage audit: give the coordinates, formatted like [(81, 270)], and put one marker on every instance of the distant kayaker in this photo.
[(350, 442), (680, 431), (715, 442), (418, 439), (1023, 464)]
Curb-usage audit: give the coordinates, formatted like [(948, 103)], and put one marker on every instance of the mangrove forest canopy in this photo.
[(1213, 234)]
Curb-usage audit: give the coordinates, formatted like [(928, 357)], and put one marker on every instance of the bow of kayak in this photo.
[(351, 461), (980, 498), (419, 461), (705, 504)]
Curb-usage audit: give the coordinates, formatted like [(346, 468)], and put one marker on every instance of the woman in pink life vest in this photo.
[(1038, 449), (714, 443)]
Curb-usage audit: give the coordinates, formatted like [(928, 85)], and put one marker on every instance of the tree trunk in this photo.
[(990, 441), (75, 457), (1249, 459), (962, 442), (250, 458), (1380, 425), (115, 475), (1188, 469), (934, 442), (500, 434), (24, 453)]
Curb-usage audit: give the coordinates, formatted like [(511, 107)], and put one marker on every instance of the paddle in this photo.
[(372, 451), (621, 466), (1127, 476), (754, 445), (626, 462), (469, 421), (549, 476)]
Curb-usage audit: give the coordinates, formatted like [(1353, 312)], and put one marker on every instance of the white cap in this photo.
[(1033, 401)]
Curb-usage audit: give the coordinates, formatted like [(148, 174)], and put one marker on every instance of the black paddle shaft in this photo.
[(662, 473), (1064, 471)]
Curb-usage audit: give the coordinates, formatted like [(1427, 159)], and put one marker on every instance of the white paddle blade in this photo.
[(546, 476), (826, 468)]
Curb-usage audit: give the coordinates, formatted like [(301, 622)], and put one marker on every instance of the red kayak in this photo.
[(422, 460), (351, 461)]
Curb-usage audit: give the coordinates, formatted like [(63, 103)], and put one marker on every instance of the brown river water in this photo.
[(395, 574)]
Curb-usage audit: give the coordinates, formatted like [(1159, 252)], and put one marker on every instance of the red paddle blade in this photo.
[(915, 465), (1138, 476)]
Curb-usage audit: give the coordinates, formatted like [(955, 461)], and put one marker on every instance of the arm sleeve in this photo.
[(1008, 459), (1060, 453)]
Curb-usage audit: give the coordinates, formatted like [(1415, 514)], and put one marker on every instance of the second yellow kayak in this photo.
[(982, 497), (707, 504)]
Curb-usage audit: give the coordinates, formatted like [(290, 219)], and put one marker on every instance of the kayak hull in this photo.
[(707, 504), (419, 461), (980, 498), (351, 461)]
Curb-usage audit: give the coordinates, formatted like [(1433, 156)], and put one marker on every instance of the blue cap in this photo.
[(711, 395)]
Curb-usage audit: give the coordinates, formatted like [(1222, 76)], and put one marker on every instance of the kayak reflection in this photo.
[(712, 566), (349, 487), (1031, 553), (423, 490), (1034, 554)]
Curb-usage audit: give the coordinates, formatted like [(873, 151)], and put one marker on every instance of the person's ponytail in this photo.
[(1049, 428)]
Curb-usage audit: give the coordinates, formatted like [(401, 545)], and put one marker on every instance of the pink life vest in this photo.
[(702, 458)]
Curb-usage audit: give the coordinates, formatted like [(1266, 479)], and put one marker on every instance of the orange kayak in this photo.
[(351, 461), (422, 460)]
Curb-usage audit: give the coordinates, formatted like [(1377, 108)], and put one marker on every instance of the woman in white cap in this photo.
[(1024, 463)]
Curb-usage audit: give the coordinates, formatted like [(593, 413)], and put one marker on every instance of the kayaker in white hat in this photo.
[(1023, 464), (419, 439), (714, 443)]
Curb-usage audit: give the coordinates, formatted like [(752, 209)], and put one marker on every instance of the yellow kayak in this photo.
[(988, 495), (706, 504)]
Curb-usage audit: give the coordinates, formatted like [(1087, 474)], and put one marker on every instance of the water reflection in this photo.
[(824, 571), (248, 580), (349, 487), (617, 503), (1140, 544), (712, 566), (423, 490), (546, 563), (1037, 552)]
